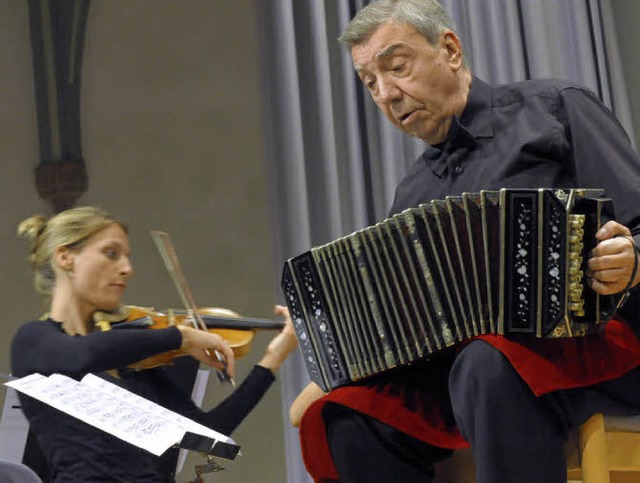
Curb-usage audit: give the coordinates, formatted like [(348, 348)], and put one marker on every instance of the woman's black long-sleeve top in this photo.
[(79, 452)]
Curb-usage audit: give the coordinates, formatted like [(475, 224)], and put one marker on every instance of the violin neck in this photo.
[(212, 322), (240, 323)]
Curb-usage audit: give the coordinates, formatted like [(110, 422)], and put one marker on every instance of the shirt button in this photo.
[(457, 170)]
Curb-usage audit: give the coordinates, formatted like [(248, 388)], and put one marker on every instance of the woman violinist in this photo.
[(80, 259)]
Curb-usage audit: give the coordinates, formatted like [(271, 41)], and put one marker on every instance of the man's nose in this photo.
[(388, 91)]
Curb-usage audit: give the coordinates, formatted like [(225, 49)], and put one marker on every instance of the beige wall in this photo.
[(173, 141)]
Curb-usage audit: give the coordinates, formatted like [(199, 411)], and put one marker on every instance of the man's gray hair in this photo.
[(427, 16)]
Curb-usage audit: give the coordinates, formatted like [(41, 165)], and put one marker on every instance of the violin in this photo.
[(237, 331)]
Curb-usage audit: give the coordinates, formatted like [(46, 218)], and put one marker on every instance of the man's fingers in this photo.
[(612, 229), (612, 246), (606, 288), (611, 262), (618, 261)]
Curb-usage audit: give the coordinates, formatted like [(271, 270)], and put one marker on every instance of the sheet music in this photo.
[(115, 410)]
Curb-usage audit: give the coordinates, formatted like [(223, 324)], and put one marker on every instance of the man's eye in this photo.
[(370, 84), (398, 68), (112, 254)]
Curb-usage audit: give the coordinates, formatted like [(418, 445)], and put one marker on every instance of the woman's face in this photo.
[(100, 269)]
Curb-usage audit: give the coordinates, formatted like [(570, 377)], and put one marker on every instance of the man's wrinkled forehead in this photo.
[(384, 42), (382, 54)]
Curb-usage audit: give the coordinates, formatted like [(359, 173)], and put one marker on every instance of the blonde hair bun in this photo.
[(32, 227)]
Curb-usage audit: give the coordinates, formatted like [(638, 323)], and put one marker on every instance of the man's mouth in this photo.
[(404, 117)]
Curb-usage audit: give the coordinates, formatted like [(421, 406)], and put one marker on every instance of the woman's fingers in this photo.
[(208, 348)]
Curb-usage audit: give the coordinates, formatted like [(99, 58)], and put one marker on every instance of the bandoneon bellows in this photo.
[(510, 262)]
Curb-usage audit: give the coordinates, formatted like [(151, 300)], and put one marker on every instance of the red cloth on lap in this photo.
[(545, 365)]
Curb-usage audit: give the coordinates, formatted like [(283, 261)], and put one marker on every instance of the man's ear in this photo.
[(453, 46), (64, 258)]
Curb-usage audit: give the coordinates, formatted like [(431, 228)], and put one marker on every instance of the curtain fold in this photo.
[(334, 161)]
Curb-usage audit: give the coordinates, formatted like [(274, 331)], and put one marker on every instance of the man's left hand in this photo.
[(611, 262)]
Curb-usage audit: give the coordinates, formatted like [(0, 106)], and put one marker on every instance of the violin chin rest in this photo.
[(117, 315)]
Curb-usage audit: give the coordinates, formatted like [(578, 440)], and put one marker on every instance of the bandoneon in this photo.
[(510, 262)]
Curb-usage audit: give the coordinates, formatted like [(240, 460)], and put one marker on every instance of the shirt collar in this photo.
[(476, 116), (475, 122)]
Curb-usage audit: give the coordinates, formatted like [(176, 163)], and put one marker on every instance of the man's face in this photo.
[(413, 82)]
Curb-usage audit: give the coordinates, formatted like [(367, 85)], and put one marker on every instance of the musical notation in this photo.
[(115, 410)]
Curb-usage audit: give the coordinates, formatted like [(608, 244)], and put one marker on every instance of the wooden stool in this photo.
[(609, 450), (604, 450)]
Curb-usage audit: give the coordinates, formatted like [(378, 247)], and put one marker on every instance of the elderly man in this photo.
[(512, 401)]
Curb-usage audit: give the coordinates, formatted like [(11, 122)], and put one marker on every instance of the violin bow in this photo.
[(171, 262)]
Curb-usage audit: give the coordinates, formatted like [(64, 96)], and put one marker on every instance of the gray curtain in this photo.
[(333, 160)]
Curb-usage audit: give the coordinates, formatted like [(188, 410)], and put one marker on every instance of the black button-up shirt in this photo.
[(533, 134)]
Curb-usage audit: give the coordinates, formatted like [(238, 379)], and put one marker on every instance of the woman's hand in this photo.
[(611, 262), (203, 346), (282, 344)]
